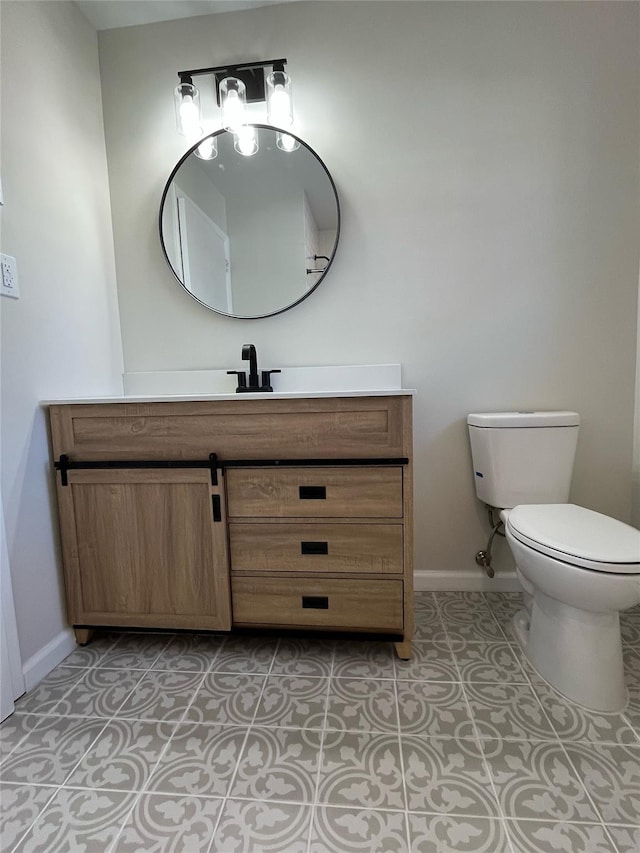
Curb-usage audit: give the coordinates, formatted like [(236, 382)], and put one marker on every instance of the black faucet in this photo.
[(249, 354), (255, 383)]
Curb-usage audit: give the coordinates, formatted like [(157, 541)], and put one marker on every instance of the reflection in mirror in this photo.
[(250, 236)]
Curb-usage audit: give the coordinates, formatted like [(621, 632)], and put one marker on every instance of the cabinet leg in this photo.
[(83, 635), (403, 650)]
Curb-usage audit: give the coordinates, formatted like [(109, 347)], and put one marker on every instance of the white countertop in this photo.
[(173, 386), (274, 395)]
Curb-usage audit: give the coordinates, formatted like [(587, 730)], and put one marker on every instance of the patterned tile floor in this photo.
[(196, 744)]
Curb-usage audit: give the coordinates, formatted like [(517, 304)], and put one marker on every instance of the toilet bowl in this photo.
[(579, 569)]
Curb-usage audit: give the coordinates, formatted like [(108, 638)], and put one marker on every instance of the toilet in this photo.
[(578, 568)]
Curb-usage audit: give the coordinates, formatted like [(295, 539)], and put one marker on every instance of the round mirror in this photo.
[(250, 235)]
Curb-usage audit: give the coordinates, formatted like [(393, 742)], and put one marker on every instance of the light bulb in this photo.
[(187, 103), (279, 106), (208, 149), (189, 113), (232, 103), (246, 141), (233, 112), (286, 142)]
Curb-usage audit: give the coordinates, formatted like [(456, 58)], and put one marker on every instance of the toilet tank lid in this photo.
[(514, 420)]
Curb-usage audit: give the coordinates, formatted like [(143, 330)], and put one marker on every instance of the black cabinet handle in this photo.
[(217, 510), (315, 602), (314, 547), (312, 493)]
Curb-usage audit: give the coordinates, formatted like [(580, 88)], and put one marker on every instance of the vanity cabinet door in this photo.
[(145, 548)]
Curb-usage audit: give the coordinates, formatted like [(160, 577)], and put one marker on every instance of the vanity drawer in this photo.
[(317, 492), (316, 547), (357, 605)]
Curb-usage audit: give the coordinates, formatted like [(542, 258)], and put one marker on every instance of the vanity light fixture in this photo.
[(245, 140), (286, 142), (236, 86), (232, 97), (187, 103), (208, 148), (279, 105)]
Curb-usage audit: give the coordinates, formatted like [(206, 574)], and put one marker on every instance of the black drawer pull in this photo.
[(314, 547), (312, 493), (315, 602)]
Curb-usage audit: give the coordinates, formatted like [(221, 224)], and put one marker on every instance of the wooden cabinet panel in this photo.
[(315, 492), (316, 547), (145, 550), (364, 605), (329, 427)]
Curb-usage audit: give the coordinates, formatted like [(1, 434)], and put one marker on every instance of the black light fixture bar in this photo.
[(245, 71)]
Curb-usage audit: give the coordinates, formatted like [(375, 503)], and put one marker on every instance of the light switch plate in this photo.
[(9, 277)]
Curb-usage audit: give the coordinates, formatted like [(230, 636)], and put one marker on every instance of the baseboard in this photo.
[(469, 581), (41, 664)]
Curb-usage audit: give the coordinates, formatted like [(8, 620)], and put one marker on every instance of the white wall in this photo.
[(635, 504), (486, 156), (61, 338)]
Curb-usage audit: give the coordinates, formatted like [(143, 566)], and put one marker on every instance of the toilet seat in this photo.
[(579, 536)]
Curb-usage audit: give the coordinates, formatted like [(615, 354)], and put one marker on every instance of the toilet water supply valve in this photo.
[(483, 558)]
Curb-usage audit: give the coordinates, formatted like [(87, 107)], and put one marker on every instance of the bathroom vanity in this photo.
[(278, 511)]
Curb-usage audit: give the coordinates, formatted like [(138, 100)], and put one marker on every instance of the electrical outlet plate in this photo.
[(9, 277)]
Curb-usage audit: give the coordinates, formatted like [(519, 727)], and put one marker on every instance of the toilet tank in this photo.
[(523, 457)]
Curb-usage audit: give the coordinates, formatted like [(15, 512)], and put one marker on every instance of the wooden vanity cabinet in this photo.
[(269, 513), (143, 549)]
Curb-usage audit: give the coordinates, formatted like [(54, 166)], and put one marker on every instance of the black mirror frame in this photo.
[(324, 272)]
